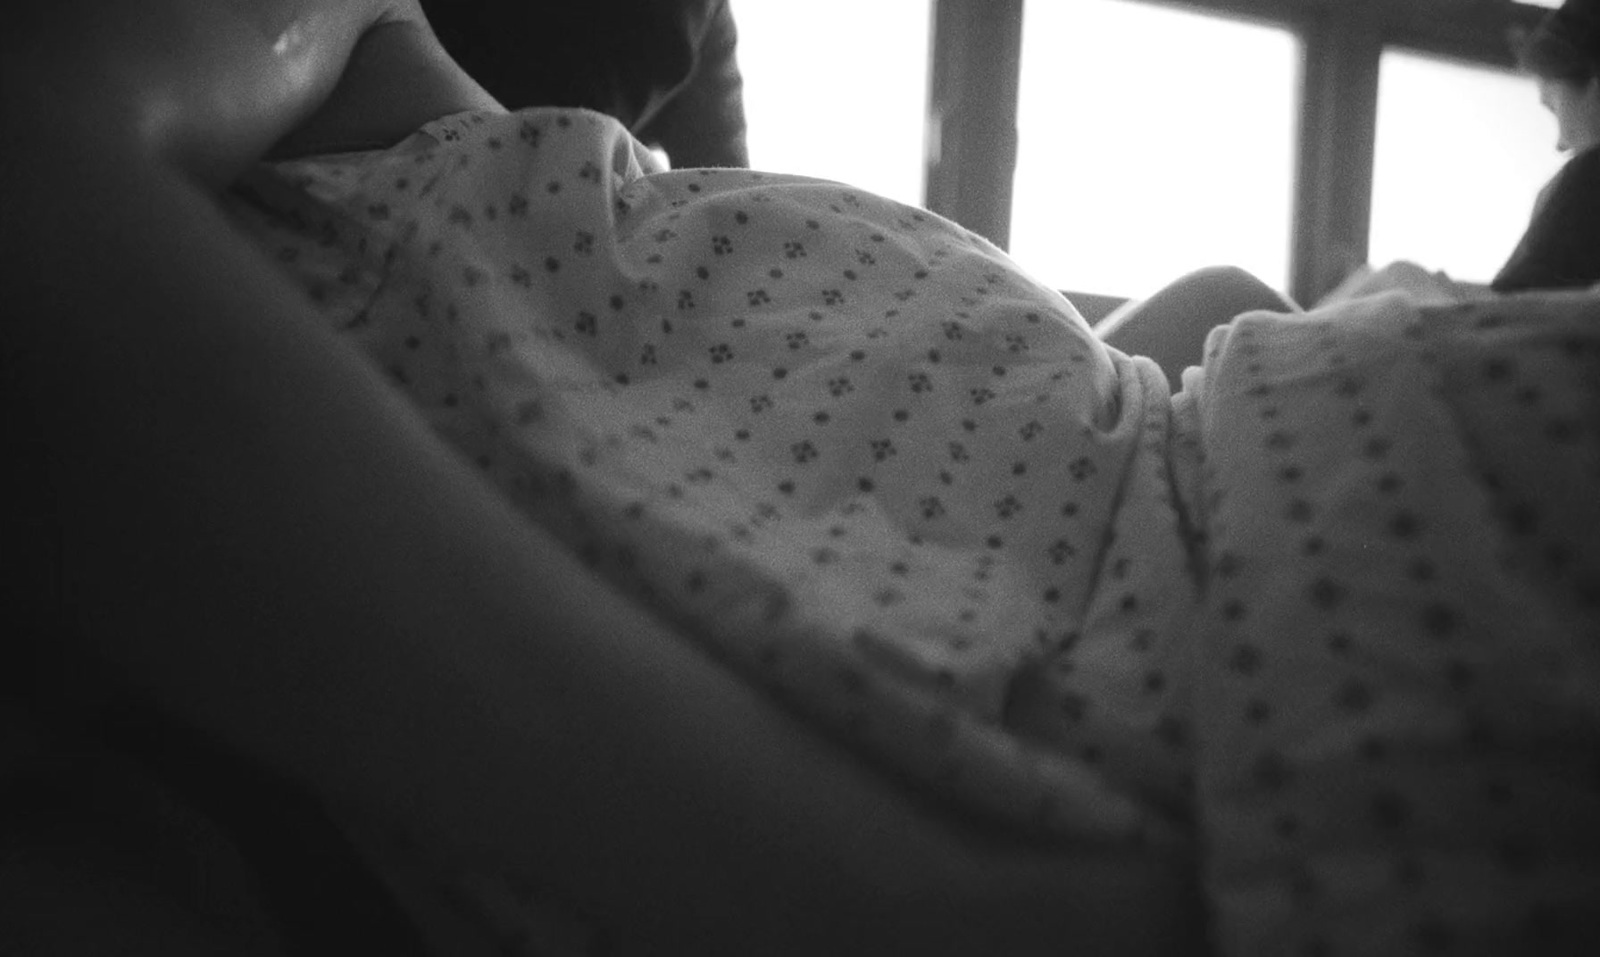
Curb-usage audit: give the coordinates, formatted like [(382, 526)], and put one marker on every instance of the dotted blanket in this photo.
[(1331, 612)]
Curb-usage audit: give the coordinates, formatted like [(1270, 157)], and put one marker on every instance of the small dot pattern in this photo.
[(842, 442), (1330, 612), (1398, 681)]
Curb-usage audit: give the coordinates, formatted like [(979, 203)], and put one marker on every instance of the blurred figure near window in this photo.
[(1561, 248)]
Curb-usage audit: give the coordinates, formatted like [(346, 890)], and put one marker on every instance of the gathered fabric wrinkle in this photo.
[(846, 444), (1304, 614)]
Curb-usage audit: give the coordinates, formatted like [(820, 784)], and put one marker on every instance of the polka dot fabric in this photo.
[(840, 441), (1398, 689), (1328, 611)]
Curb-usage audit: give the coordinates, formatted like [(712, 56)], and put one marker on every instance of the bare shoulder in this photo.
[(210, 85)]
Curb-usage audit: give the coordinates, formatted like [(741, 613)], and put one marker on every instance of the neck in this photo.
[(398, 78)]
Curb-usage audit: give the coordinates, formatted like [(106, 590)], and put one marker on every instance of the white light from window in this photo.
[(837, 89), (1152, 142), (1462, 151)]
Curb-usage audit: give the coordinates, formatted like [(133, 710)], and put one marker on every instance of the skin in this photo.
[(239, 550), (1576, 107)]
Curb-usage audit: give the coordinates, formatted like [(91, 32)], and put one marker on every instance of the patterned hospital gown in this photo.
[(1331, 612)]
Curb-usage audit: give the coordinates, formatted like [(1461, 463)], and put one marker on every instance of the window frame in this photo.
[(975, 64)]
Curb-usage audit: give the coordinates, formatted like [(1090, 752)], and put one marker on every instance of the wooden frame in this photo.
[(972, 136)]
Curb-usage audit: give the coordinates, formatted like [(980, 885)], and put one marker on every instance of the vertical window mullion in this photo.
[(1337, 137), (972, 113)]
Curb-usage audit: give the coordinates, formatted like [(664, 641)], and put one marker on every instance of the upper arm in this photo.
[(703, 122), (207, 85), (1561, 248)]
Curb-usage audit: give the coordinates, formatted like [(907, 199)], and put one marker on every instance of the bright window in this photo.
[(1462, 153), (1152, 142), (838, 89)]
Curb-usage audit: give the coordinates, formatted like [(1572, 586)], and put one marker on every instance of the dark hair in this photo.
[(1565, 45)]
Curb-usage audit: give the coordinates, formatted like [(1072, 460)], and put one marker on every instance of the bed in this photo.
[(863, 540)]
